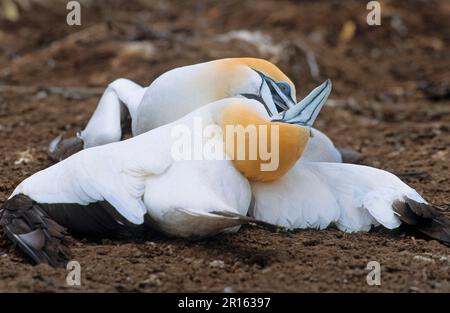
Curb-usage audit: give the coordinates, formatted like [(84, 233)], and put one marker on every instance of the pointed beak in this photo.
[(306, 111)]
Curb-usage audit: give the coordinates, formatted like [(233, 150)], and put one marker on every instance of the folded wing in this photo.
[(353, 197)]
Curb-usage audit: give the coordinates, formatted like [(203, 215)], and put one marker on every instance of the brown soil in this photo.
[(390, 102)]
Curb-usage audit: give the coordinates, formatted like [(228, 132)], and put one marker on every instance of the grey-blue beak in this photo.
[(305, 112)]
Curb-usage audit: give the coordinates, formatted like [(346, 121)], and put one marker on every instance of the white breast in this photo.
[(178, 201)]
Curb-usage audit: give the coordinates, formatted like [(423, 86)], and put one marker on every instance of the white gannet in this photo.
[(184, 89), (111, 187)]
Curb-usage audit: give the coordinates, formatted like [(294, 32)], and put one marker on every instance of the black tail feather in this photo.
[(423, 217), (40, 237)]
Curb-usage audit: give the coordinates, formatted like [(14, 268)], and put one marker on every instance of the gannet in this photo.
[(196, 85), (110, 188)]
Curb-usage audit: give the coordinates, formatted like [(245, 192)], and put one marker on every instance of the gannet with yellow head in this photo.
[(143, 181), (108, 188), (182, 90)]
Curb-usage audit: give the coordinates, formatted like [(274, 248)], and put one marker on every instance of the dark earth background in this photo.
[(391, 102)]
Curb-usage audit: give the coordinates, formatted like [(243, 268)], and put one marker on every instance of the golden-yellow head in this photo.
[(252, 78), (262, 148), (263, 66), (252, 142)]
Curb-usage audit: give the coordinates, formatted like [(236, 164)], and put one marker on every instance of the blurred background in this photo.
[(391, 102), (387, 79), (310, 40)]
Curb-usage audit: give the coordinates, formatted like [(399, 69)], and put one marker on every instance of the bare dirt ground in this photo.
[(391, 102)]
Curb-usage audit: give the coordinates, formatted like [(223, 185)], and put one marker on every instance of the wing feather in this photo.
[(316, 194)]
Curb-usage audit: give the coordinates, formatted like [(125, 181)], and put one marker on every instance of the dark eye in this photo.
[(285, 88)]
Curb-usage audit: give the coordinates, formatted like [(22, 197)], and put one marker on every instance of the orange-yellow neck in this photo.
[(261, 150), (264, 66), (267, 68)]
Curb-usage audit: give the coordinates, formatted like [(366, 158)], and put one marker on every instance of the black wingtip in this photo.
[(39, 237), (423, 217)]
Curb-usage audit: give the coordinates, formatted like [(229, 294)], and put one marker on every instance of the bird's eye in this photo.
[(285, 88)]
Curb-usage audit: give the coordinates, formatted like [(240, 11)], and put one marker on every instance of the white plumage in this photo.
[(179, 194), (181, 91), (139, 176), (317, 194), (320, 148), (179, 201), (143, 182)]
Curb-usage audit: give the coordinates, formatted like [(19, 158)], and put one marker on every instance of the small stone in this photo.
[(217, 264), (423, 258), (41, 95), (153, 280)]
